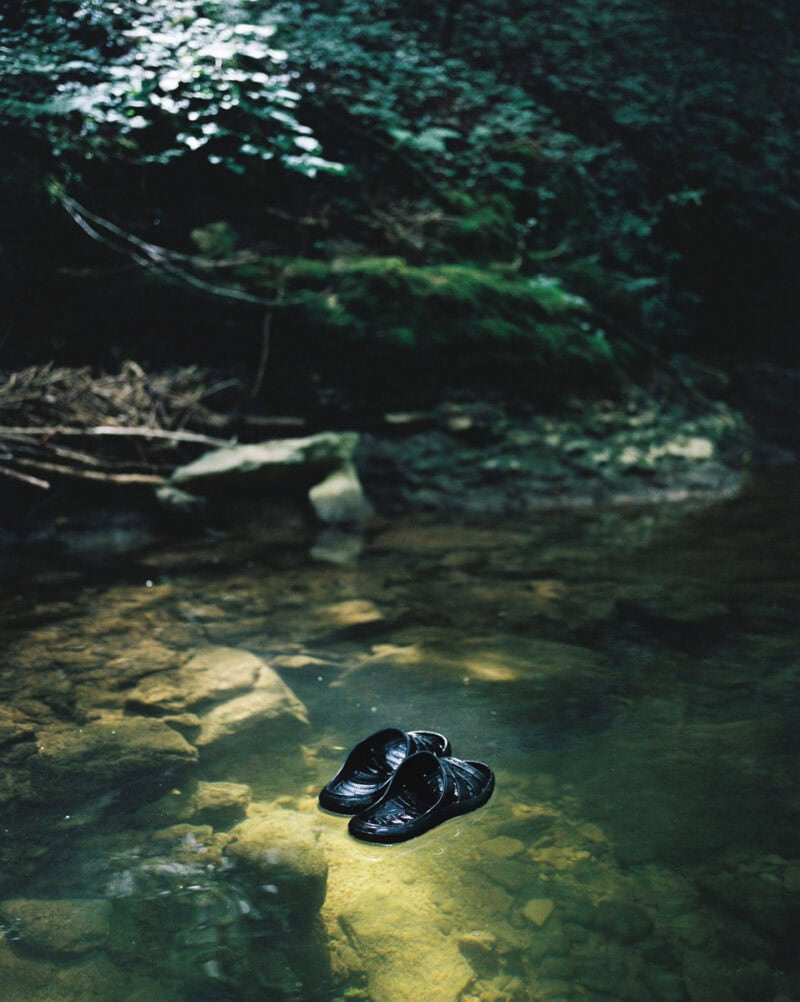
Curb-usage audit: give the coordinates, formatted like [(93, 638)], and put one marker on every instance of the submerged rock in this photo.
[(502, 847), (25, 978), (538, 910), (14, 728), (145, 658), (229, 691), (108, 754), (283, 850), (623, 920), (182, 911), (62, 927), (212, 675), (409, 959), (270, 701), (219, 803)]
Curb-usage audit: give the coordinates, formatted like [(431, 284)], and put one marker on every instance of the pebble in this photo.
[(538, 910), (503, 847)]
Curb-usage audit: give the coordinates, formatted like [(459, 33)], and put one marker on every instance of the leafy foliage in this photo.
[(157, 81), (524, 173), (616, 130)]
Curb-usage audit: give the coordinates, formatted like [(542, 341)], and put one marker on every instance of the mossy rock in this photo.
[(401, 316)]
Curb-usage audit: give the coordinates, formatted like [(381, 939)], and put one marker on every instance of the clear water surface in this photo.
[(630, 674)]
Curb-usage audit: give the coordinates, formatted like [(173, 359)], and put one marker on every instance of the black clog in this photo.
[(425, 791), (370, 766)]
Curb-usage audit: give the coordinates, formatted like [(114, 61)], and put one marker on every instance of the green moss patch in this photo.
[(386, 303)]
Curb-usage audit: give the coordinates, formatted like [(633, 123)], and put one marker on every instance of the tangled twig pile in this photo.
[(122, 429)]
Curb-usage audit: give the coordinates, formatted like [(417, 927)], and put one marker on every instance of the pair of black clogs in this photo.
[(399, 784)]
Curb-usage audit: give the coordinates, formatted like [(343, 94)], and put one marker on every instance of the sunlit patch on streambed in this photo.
[(630, 677)]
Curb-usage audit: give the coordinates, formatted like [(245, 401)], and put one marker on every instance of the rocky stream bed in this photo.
[(168, 717), (183, 665)]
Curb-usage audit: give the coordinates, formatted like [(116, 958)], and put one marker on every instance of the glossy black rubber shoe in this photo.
[(371, 764), (425, 791)]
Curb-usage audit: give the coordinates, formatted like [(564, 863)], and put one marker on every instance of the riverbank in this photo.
[(108, 445)]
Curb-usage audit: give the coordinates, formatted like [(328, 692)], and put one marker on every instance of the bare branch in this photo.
[(127, 479), (156, 258), (16, 475), (116, 430)]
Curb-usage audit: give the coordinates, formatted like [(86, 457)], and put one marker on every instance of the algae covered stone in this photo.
[(270, 701), (502, 847), (108, 754), (60, 926), (228, 690), (282, 849), (538, 910), (218, 803), (211, 675)]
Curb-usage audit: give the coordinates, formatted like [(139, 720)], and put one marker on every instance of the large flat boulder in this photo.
[(318, 468), (271, 701), (108, 755), (307, 459), (228, 691), (210, 676)]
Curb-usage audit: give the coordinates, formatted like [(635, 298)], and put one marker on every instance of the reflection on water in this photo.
[(630, 675)]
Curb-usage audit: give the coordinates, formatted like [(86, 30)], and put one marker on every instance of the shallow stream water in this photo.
[(630, 674)]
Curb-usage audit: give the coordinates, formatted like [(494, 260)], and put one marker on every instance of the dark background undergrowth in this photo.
[(539, 197)]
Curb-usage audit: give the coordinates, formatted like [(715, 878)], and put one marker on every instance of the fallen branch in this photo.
[(126, 429), (117, 430), (152, 257), (16, 475), (149, 479)]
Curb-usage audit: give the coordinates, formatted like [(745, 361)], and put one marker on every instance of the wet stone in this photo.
[(271, 702), (548, 942), (25, 979), (708, 981), (61, 926), (740, 939), (560, 858), (555, 990), (220, 804), (757, 900), (210, 676), (187, 724), (502, 847), (665, 986), (479, 949), (184, 835), (607, 972), (538, 910), (623, 920), (693, 929), (227, 690), (575, 933), (512, 874), (282, 849), (14, 729), (106, 755), (148, 657)]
